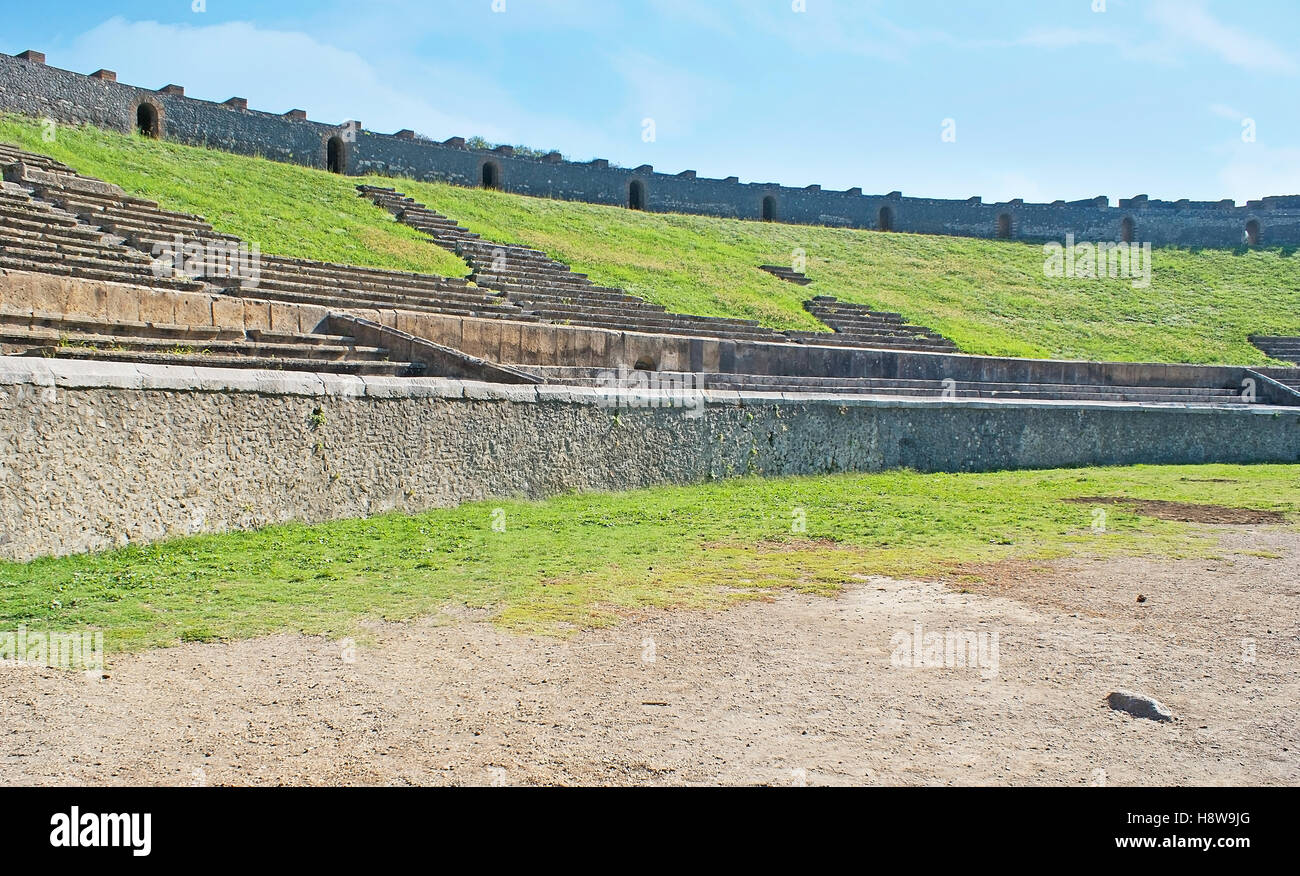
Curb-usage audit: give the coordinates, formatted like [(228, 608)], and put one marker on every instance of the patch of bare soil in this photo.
[(1187, 512), (800, 690), (779, 546)]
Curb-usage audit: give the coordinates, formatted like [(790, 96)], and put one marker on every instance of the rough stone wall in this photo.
[(94, 455), (510, 343), (33, 88)]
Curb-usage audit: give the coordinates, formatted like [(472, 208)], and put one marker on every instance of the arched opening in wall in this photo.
[(1127, 230), (1004, 226), (491, 175), (885, 219), (645, 363), (147, 121), (769, 209), (636, 195), (1252, 233), (335, 156)]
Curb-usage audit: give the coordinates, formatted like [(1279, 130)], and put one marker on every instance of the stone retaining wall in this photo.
[(94, 455), (506, 342)]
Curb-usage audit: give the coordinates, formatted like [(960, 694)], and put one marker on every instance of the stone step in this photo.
[(331, 366), (288, 348), (861, 326), (152, 241), (334, 269), (642, 315), (103, 258), (82, 235), (788, 274), (46, 221), (348, 279), (26, 210), (10, 154), (57, 245), (924, 388), (10, 317), (561, 293), (885, 344), (432, 286), (351, 303), (123, 203), (393, 298), (841, 337), (122, 214), (71, 268), (570, 297), (658, 329), (1285, 348), (584, 309), (891, 331)]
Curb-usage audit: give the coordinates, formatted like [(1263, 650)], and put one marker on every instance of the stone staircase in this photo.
[(1286, 349), (537, 283), (12, 154), (59, 336), (302, 281), (595, 377), (1286, 376), (788, 274), (36, 236), (137, 230), (858, 326)]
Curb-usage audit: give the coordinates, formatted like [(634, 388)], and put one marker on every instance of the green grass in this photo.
[(581, 561), (285, 209), (989, 296)]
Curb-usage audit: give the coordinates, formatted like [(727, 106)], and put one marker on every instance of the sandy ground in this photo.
[(798, 690)]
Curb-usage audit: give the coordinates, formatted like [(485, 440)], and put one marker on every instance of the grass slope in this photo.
[(990, 296), (286, 210), (586, 560)]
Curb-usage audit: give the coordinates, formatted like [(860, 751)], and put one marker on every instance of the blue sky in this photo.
[(1050, 98)]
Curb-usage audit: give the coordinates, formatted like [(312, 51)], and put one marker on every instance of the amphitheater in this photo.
[(524, 353), (163, 379)]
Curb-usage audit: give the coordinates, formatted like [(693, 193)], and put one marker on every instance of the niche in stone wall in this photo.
[(769, 209), (1127, 230), (336, 156), (636, 195), (1004, 226), (148, 121), (491, 175), (885, 219), (1252, 233)]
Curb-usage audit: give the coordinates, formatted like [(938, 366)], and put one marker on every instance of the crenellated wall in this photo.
[(30, 87)]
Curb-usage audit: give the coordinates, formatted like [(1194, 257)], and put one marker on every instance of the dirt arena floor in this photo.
[(801, 690)]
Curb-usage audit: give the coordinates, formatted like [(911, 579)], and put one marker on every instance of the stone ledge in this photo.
[(90, 374)]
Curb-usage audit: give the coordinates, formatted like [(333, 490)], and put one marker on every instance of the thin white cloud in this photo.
[(853, 28), (279, 70), (1191, 22), (675, 99), (699, 15), (1254, 170), (1223, 111)]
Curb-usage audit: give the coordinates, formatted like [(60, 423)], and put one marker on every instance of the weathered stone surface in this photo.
[(146, 450), (1138, 706)]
